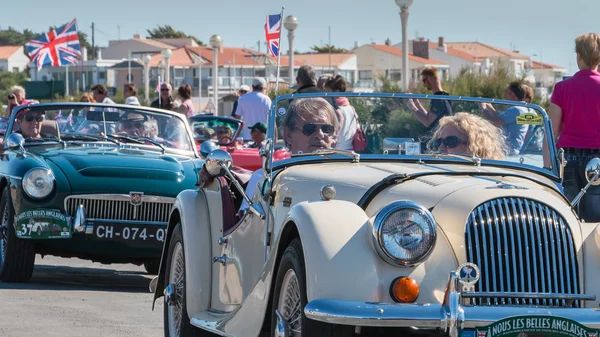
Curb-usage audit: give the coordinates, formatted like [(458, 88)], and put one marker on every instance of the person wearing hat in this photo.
[(244, 89), (258, 132), (132, 124), (253, 107)]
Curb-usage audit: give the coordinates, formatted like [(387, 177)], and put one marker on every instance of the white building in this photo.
[(13, 59), (375, 61)]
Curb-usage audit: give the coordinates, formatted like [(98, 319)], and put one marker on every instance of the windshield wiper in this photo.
[(150, 140), (88, 137), (473, 159), (126, 137)]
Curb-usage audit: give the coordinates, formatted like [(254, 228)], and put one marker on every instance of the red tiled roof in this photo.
[(232, 56), (179, 58), (539, 65), (398, 52), (482, 50), (457, 53), (8, 51)]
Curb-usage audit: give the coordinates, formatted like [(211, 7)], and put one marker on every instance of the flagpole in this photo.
[(67, 80), (159, 90), (279, 54)]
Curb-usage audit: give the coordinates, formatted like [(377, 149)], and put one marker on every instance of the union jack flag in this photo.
[(58, 47), (481, 333), (273, 33)]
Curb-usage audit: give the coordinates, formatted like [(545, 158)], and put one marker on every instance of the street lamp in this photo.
[(215, 42), (166, 54), (161, 70), (291, 23), (146, 60), (404, 4)]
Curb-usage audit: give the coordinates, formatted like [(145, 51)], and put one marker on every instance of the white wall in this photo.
[(18, 60)]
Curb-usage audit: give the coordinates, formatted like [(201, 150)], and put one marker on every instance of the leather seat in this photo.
[(49, 128)]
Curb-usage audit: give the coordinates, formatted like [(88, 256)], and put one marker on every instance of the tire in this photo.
[(152, 267), (292, 264), (17, 256), (183, 328)]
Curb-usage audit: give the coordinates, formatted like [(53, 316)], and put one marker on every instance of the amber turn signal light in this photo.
[(404, 290)]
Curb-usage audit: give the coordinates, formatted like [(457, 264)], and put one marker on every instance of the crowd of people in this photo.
[(574, 114)]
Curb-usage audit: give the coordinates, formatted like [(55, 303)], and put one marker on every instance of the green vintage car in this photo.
[(92, 181)]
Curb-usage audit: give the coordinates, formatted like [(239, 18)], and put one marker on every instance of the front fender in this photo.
[(341, 262), (192, 212)]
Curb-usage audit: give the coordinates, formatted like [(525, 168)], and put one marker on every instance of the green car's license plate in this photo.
[(535, 326), (117, 232), (43, 224)]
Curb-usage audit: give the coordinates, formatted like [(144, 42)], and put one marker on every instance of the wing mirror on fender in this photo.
[(15, 140), (207, 147), (218, 164), (592, 174)]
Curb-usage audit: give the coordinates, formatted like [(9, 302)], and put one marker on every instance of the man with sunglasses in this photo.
[(132, 124), (30, 124), (310, 124), (166, 101)]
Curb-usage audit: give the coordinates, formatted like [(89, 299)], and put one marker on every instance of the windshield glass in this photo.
[(93, 123), (397, 126), (223, 130)]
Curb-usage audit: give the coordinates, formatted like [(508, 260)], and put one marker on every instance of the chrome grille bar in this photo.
[(522, 246), (118, 207)]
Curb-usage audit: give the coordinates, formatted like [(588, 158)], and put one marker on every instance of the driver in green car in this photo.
[(132, 124), (30, 124)]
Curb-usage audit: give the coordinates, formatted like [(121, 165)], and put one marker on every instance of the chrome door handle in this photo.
[(221, 259), (222, 240)]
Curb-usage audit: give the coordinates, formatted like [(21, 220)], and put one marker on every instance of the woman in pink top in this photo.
[(186, 107), (575, 116)]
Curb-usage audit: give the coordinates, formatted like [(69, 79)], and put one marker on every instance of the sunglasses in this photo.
[(164, 89), (449, 142), (310, 128), (129, 125), (30, 118)]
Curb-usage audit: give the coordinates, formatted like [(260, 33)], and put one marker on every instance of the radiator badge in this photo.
[(136, 198), (468, 275), (507, 187)]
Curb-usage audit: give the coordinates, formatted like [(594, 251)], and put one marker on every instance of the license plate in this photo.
[(535, 325), (130, 232)]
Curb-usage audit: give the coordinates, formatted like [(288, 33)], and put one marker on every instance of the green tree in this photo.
[(324, 49), (167, 32)]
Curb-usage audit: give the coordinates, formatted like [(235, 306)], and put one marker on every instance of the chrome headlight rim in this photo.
[(51, 181), (380, 220)]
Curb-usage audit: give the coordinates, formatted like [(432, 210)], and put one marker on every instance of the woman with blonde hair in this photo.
[(468, 134), (87, 98)]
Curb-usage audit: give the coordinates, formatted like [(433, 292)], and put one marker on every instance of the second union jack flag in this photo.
[(273, 33), (58, 47)]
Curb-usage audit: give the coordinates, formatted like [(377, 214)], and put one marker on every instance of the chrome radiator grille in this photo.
[(118, 207), (520, 246)]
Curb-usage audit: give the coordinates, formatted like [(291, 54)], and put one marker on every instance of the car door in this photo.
[(244, 251)]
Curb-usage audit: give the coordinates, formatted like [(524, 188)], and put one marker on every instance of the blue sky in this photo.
[(540, 27)]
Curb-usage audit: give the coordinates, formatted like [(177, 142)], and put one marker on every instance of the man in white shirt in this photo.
[(254, 106)]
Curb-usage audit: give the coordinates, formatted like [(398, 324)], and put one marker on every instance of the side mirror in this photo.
[(592, 172), (208, 147), (218, 163), (14, 140)]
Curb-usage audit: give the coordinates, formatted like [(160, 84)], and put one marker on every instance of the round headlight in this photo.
[(404, 233), (38, 182)]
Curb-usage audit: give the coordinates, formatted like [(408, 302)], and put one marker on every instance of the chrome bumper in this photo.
[(450, 317)]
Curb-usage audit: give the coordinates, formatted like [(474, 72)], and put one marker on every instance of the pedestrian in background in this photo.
[(130, 92), (575, 116), (165, 101), (17, 97), (254, 106), (244, 89), (185, 95)]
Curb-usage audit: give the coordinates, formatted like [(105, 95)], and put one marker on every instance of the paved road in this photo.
[(73, 298)]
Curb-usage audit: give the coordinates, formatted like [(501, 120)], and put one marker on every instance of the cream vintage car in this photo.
[(397, 240)]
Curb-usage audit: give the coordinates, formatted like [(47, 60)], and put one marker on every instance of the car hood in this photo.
[(449, 196), (109, 170)]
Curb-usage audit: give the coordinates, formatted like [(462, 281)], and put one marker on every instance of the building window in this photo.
[(365, 75), (247, 72), (260, 72), (130, 78), (15, 69), (102, 75), (394, 75)]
